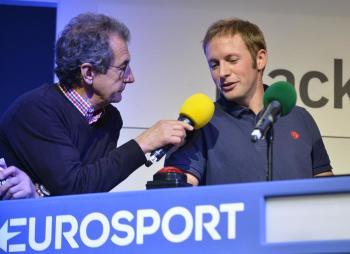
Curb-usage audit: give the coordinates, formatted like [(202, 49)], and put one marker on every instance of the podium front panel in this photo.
[(294, 216)]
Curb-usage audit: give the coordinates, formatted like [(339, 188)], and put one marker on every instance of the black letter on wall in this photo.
[(339, 90), (304, 89), (282, 72)]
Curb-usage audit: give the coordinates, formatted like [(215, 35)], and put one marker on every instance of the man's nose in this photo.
[(129, 76), (224, 70)]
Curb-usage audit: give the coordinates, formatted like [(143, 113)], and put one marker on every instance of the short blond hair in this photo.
[(250, 33)]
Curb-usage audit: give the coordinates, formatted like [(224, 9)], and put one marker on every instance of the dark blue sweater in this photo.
[(46, 136)]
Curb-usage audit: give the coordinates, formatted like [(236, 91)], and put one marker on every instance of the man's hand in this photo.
[(326, 173), (17, 184), (163, 133)]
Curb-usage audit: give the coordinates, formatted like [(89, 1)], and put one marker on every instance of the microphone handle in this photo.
[(157, 154), (265, 122), (185, 119)]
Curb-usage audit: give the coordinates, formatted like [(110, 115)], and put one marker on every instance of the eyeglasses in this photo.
[(123, 70)]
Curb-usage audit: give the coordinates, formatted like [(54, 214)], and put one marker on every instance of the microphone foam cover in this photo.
[(199, 108), (284, 93)]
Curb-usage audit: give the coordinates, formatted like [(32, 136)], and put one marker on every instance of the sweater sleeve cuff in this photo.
[(134, 153)]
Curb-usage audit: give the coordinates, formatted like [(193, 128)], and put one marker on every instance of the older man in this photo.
[(65, 135)]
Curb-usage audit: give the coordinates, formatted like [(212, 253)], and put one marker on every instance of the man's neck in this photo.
[(88, 95), (255, 102)]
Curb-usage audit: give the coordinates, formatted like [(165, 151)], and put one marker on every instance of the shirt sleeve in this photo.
[(191, 157), (320, 159)]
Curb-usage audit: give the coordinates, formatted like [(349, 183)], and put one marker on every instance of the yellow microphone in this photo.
[(197, 110)]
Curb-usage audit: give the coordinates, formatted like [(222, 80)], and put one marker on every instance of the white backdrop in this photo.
[(302, 36)]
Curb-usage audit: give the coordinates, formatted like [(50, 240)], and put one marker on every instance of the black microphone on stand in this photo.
[(279, 100)]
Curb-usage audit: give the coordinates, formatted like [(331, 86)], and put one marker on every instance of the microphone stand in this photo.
[(269, 139)]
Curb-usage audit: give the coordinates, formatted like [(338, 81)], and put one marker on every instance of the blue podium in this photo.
[(294, 216)]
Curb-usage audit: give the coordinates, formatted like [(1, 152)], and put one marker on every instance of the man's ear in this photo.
[(87, 74), (261, 59)]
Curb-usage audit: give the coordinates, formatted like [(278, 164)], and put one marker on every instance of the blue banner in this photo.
[(212, 219)]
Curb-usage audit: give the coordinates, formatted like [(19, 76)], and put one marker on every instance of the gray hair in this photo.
[(86, 40)]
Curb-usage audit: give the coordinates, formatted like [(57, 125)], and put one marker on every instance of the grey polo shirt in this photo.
[(222, 152)]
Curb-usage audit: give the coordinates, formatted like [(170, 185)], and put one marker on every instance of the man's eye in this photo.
[(122, 68), (213, 66), (233, 60)]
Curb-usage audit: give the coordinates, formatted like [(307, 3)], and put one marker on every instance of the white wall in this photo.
[(167, 59)]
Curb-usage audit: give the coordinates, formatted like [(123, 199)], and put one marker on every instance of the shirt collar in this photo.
[(233, 108), (83, 105)]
